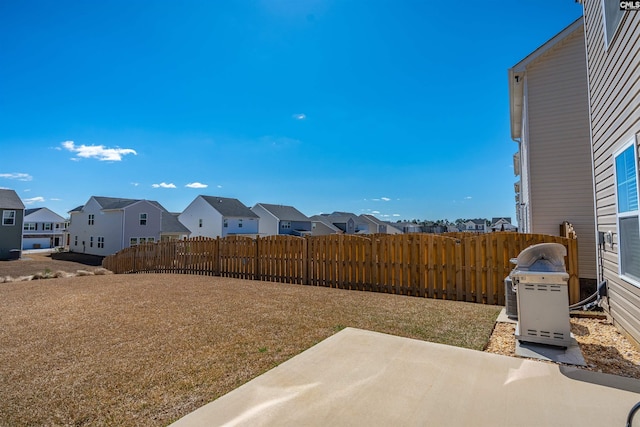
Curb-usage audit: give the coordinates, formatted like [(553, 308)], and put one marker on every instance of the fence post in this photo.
[(305, 261)]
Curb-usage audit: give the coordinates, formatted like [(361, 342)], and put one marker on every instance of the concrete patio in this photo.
[(359, 377)]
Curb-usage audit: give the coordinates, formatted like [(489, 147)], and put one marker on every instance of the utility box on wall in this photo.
[(541, 284)]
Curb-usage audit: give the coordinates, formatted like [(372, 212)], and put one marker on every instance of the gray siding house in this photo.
[(281, 219), (377, 226), (550, 123), (12, 214), (613, 64), (219, 217), (348, 222), (322, 226), (105, 225)]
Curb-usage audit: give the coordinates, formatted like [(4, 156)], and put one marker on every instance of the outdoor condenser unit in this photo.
[(541, 283)]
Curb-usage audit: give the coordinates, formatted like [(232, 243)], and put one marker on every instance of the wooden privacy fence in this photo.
[(456, 266)]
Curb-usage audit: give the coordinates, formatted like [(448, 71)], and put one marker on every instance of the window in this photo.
[(240, 223), (30, 226), (143, 219), (628, 213), (47, 226), (285, 224), (101, 242), (225, 223), (151, 239), (133, 241), (611, 15), (142, 240), (91, 241), (200, 223), (8, 217), (75, 241), (91, 219)]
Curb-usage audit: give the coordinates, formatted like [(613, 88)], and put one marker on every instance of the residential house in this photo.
[(502, 224), (550, 123), (473, 225), (281, 219), (408, 227), (375, 225), (348, 222), (105, 225), (613, 65), (43, 228), (212, 216), (12, 213), (321, 225)]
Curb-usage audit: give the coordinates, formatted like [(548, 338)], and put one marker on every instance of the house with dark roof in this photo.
[(502, 224), (322, 226), (219, 217), (376, 225), (281, 219), (473, 225), (105, 225), (43, 229), (348, 222), (12, 214)]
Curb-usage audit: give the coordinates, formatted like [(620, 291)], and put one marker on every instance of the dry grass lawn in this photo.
[(148, 349)]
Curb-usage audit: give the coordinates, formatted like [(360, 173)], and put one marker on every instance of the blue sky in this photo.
[(396, 108)]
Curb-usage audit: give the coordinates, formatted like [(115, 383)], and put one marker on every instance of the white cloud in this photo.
[(55, 199), (219, 186), (164, 185), (196, 185), (99, 152), (135, 184), (33, 200), (385, 199), (468, 198), (18, 176), (375, 212), (396, 214), (299, 116)]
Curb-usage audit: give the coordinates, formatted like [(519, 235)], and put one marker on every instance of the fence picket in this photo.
[(464, 267)]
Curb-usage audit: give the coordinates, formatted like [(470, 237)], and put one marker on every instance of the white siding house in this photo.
[(613, 63), (43, 229), (550, 124), (219, 217), (105, 225)]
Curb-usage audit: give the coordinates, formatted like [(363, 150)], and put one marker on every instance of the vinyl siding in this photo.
[(132, 227), (268, 224), (11, 235), (614, 88), (211, 219), (560, 181)]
